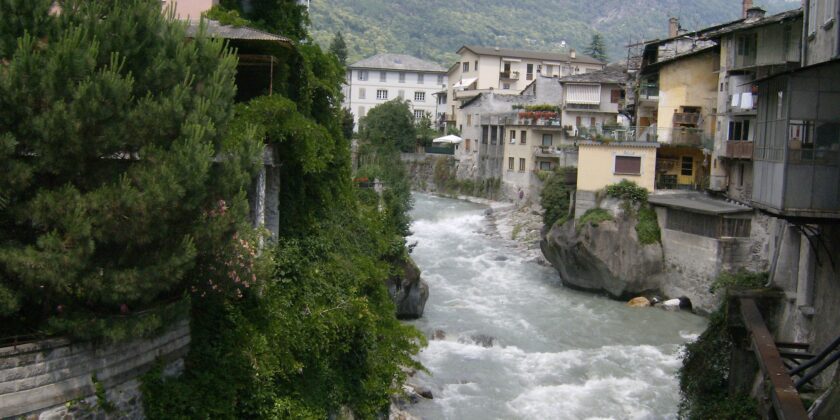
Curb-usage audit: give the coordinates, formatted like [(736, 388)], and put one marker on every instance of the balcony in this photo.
[(739, 149), (509, 75), (552, 151), (649, 92), (692, 118)]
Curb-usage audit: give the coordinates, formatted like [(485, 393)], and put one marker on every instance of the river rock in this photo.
[(408, 292), (439, 335), (606, 258), (479, 339), (639, 302), (424, 392)]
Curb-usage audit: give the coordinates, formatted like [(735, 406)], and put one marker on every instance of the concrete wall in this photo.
[(596, 166), (823, 32), (37, 380)]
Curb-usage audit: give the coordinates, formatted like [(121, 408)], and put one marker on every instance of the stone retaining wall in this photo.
[(55, 378)]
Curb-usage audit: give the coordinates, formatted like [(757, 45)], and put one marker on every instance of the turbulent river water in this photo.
[(555, 353)]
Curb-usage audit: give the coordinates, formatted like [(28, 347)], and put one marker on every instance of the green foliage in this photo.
[(101, 398), (555, 197), (390, 124), (593, 217), (596, 48), (704, 376), (647, 226), (741, 279), (339, 48), (446, 25), (105, 124), (627, 190), (284, 17), (225, 16), (425, 132), (447, 182)]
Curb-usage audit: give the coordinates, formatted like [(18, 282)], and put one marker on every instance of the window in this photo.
[(401, 94), (383, 76), (522, 139), (812, 17), (592, 122), (510, 163), (420, 97), (615, 96), (361, 112), (687, 166), (485, 134), (467, 143), (494, 134), (440, 79), (465, 66), (363, 74), (529, 74), (505, 86), (419, 114), (521, 164), (382, 94), (628, 165), (741, 175), (469, 120), (420, 78), (578, 121), (513, 136), (475, 65), (402, 77), (546, 140), (739, 130), (545, 166), (549, 70), (362, 93)]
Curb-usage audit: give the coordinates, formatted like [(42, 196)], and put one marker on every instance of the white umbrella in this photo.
[(450, 139)]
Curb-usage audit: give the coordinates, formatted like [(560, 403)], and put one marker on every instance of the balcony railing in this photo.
[(552, 151), (649, 92), (509, 75), (679, 136), (739, 149)]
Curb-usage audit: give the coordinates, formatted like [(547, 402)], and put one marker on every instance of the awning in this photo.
[(583, 94), (450, 139), (512, 60), (464, 83)]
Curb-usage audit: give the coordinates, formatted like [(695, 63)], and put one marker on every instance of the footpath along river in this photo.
[(555, 353)]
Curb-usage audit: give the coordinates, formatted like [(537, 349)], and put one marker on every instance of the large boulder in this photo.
[(606, 257), (409, 292)]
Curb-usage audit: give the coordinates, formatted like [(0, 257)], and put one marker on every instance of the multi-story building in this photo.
[(189, 9), (591, 105), (751, 49), (384, 77), (507, 71)]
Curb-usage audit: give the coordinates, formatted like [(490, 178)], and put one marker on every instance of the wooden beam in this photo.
[(786, 401)]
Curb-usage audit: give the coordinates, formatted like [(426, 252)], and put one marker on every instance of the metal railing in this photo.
[(509, 75)]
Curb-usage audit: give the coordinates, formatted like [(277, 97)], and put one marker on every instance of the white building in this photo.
[(189, 9), (384, 77)]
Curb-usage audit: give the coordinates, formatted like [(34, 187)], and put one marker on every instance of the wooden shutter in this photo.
[(628, 165)]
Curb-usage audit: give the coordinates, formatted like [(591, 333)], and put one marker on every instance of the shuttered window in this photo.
[(583, 94), (630, 165), (615, 96)]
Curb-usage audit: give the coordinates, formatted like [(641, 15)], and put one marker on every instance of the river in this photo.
[(555, 354)]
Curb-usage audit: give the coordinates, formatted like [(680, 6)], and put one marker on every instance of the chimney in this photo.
[(673, 27), (754, 13), (746, 5)]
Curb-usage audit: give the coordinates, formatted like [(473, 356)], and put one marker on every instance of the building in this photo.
[(754, 48), (601, 164), (384, 77), (189, 9), (507, 71), (591, 105)]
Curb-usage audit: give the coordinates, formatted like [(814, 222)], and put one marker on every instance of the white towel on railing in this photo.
[(746, 100), (736, 100)]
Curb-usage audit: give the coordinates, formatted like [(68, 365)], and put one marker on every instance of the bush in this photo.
[(739, 280), (647, 227), (627, 190), (594, 217), (555, 197)]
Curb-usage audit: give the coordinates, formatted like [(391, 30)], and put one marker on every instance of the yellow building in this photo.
[(602, 164)]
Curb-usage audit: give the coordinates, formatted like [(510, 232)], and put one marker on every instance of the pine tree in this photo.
[(596, 48), (339, 48), (109, 129)]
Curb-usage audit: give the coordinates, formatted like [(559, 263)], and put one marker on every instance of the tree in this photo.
[(425, 132), (339, 48), (284, 17), (109, 129), (596, 48), (390, 123)]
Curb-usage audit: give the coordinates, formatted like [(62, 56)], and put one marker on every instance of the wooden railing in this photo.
[(739, 149)]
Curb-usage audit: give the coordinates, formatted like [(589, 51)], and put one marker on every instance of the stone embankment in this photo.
[(59, 379)]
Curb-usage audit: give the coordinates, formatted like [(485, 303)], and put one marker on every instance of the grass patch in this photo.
[(594, 217), (647, 227)]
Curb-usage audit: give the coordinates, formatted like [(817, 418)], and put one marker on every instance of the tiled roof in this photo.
[(397, 62), (533, 55), (216, 29), (611, 74)]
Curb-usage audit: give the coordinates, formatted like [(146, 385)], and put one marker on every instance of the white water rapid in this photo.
[(555, 353)]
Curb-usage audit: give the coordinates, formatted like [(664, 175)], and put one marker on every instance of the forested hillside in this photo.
[(434, 29)]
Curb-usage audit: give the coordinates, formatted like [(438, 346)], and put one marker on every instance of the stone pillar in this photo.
[(786, 270), (258, 194), (805, 277)]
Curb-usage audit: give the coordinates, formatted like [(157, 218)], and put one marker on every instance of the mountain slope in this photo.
[(435, 29)]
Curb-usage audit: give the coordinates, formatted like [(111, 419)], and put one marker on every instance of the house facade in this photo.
[(189, 9), (384, 77)]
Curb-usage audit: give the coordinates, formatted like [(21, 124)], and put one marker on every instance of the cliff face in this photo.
[(606, 257)]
